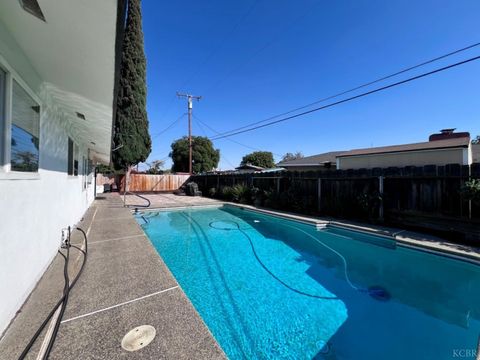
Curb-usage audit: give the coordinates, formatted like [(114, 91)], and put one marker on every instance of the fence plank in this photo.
[(156, 183)]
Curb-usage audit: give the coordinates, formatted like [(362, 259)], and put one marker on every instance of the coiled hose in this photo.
[(63, 300), (259, 260), (376, 292)]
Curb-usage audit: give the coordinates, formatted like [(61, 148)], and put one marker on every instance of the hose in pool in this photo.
[(238, 228), (374, 291)]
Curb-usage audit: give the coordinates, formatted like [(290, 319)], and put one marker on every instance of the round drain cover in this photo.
[(138, 338)]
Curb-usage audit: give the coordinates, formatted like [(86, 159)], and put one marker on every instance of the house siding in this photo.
[(35, 208), (401, 159)]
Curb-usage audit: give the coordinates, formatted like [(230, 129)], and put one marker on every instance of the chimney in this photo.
[(448, 134)]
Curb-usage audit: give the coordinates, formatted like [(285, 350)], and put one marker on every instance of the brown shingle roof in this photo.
[(429, 145)]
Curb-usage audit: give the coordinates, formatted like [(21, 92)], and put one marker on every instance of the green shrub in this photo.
[(241, 193), (212, 192), (257, 196), (226, 193), (271, 199), (471, 190), (369, 204)]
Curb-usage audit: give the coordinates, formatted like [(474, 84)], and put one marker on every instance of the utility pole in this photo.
[(189, 99)]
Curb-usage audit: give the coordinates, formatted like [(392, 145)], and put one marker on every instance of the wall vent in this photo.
[(33, 8)]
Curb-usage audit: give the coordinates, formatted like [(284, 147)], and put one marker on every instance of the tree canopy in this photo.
[(204, 156), (259, 158), (131, 138), (155, 167), (476, 140), (292, 156)]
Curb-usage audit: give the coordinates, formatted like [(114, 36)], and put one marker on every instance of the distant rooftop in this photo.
[(328, 157), (249, 167)]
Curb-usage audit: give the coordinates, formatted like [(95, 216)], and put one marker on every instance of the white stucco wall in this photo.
[(33, 210)]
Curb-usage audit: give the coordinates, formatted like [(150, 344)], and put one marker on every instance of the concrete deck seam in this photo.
[(120, 304), (91, 222), (115, 218), (115, 239)]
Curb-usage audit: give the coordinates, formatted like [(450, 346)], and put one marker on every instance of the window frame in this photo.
[(72, 171), (6, 125)]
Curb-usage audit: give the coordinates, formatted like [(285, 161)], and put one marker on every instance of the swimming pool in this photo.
[(272, 288)]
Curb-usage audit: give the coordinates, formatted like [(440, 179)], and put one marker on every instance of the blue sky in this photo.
[(253, 59)]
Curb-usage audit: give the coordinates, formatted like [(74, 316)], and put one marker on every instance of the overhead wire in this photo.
[(344, 92), (235, 132), (234, 141), (206, 135), (214, 51), (262, 48), (172, 124)]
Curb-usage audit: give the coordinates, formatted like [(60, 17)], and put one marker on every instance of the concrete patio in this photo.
[(124, 284), (166, 200)]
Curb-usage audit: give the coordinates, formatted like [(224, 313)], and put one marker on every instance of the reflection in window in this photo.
[(25, 131), (72, 158), (75, 160), (3, 76)]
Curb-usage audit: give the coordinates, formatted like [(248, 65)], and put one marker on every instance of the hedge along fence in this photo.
[(428, 196)]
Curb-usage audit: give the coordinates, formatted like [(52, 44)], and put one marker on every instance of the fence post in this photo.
[(380, 190), (278, 185), (470, 207), (319, 194)]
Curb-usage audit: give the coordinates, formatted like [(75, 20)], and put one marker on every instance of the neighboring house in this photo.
[(248, 168), (444, 148), (58, 66), (476, 153), (315, 162)]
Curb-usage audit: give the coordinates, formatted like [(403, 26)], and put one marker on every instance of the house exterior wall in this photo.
[(34, 207), (475, 153), (401, 159), (309, 168)]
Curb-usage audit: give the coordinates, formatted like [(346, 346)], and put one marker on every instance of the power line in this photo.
[(351, 98), (189, 98), (169, 126), (358, 87), (234, 141), (214, 51), (221, 44), (262, 48), (205, 133)]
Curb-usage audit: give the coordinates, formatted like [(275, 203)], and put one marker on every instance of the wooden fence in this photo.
[(145, 182), (424, 197), (155, 183)]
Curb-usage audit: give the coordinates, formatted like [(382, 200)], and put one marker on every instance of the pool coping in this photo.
[(403, 238)]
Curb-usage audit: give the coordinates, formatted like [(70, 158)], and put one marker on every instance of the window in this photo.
[(25, 131), (3, 77), (72, 158), (84, 172), (19, 127)]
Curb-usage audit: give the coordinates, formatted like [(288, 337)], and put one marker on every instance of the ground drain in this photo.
[(138, 338)]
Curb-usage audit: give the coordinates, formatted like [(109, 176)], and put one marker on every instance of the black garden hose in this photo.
[(238, 228), (61, 302)]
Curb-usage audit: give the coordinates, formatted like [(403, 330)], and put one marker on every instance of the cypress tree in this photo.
[(131, 136)]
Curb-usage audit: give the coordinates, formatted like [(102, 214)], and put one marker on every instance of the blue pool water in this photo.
[(270, 288)]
